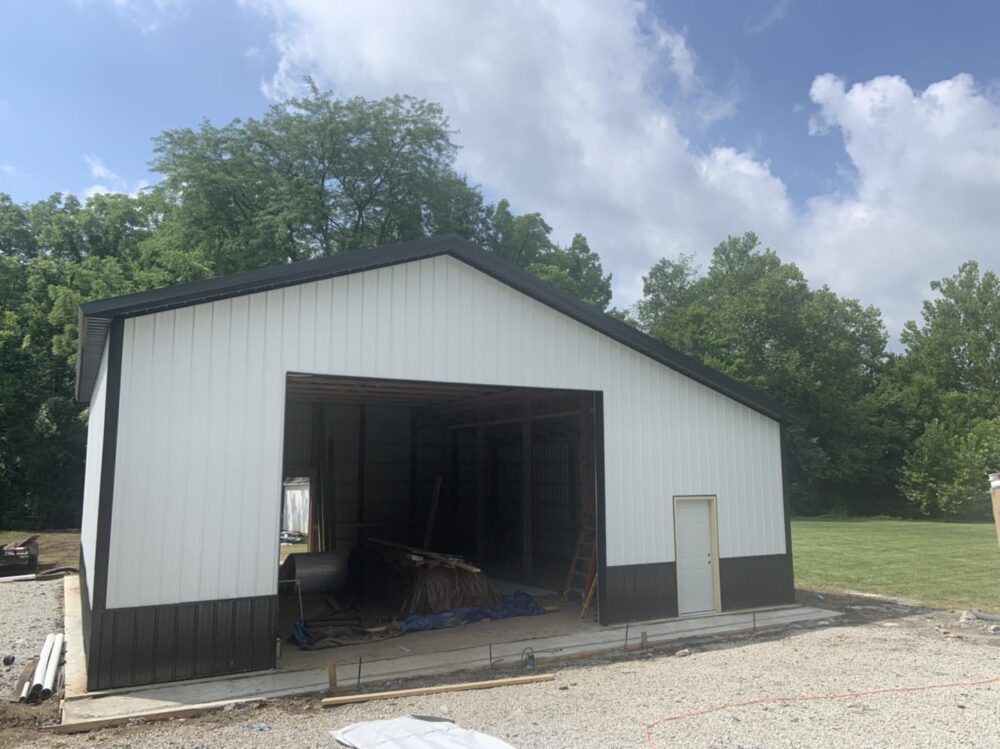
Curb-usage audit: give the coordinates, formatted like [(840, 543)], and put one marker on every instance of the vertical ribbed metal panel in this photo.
[(92, 480), (198, 475), (153, 644)]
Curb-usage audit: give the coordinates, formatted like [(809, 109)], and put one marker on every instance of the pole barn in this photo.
[(426, 393)]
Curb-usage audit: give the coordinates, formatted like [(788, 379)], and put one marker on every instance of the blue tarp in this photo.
[(512, 604)]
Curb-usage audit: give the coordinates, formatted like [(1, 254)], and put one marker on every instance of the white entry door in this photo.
[(694, 533)]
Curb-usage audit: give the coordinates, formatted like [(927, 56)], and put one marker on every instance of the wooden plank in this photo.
[(518, 419), (432, 513), (446, 559), (317, 451), (362, 419), (585, 456), (416, 692), (411, 512), (481, 447), (527, 562), (327, 492)]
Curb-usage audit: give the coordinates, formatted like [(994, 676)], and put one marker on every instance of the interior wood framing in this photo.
[(489, 416)]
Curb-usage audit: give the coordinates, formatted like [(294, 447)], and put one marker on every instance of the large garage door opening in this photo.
[(406, 502)]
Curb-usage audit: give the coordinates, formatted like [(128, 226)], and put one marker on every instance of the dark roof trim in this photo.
[(95, 317)]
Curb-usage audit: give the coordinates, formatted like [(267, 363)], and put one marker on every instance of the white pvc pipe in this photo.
[(53, 667), (24, 691), (18, 578), (43, 661)]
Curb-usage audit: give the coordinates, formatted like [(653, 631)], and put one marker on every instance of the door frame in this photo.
[(713, 514)]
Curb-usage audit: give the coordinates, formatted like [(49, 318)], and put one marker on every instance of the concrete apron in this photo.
[(83, 711)]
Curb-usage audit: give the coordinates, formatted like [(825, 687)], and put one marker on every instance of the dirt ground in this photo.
[(884, 674)]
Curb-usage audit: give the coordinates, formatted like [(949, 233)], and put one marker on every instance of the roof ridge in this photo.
[(96, 316)]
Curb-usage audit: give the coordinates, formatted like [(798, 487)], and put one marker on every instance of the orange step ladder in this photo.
[(582, 576)]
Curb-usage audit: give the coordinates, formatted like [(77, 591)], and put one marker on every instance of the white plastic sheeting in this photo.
[(414, 732), (295, 508)]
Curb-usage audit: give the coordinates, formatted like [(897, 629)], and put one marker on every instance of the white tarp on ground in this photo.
[(414, 732)]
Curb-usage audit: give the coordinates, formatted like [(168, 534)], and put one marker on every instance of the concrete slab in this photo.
[(470, 650), (75, 671)]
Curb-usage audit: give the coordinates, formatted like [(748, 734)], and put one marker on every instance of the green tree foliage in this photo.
[(945, 474), (316, 176), (313, 177), (756, 319), (55, 254), (525, 241), (946, 395)]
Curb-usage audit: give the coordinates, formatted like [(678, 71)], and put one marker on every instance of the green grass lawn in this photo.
[(947, 565)]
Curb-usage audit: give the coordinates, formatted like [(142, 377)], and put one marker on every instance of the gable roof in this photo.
[(96, 317)]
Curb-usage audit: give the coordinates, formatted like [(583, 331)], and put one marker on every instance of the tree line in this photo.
[(909, 433)]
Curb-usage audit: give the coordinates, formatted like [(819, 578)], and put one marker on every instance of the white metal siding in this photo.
[(198, 475), (92, 478)]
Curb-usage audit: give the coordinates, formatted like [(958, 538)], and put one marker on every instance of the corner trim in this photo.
[(106, 492), (786, 495)]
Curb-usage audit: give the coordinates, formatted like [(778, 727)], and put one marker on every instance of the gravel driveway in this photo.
[(28, 612), (610, 704)]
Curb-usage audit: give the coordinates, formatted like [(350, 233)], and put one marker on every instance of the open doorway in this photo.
[(429, 498)]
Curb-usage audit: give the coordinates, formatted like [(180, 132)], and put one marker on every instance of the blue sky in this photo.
[(654, 129), (772, 68)]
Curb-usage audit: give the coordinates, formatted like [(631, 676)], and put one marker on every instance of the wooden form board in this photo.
[(465, 686)]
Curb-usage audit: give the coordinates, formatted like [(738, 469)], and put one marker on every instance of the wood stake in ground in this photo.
[(509, 682), (995, 497)]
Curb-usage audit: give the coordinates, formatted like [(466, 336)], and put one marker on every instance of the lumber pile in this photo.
[(420, 557), (412, 581)]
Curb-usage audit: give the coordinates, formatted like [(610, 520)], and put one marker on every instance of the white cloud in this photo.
[(109, 181), (679, 55), (559, 107), (581, 110), (924, 193), (7, 168), (775, 14), (146, 15)]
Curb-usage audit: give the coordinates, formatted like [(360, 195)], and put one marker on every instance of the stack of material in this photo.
[(427, 582), (39, 682), (19, 558)]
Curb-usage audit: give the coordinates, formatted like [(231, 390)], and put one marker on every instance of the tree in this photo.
[(525, 241), (55, 254), (576, 270), (313, 177), (947, 395), (945, 473), (756, 319)]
